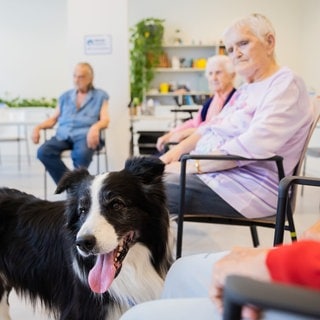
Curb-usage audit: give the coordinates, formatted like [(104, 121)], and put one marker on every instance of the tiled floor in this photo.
[(198, 237)]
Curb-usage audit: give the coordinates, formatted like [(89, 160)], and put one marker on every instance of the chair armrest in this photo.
[(228, 157), (240, 291), (287, 182)]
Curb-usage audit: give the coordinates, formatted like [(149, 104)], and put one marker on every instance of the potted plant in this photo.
[(18, 102), (146, 49)]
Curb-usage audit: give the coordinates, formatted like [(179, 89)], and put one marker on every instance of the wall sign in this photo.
[(98, 44)]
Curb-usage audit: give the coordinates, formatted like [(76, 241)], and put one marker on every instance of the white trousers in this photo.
[(185, 294)]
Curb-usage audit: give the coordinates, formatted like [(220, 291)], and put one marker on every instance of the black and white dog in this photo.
[(94, 255)]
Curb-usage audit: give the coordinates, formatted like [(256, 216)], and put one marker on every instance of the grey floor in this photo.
[(198, 237)]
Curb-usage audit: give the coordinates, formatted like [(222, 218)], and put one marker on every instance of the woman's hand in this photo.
[(162, 141), (172, 155), (178, 150), (248, 262)]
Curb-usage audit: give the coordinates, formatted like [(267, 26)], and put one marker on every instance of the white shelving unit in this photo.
[(189, 76)]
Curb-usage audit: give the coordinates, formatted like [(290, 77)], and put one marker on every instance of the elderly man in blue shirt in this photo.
[(81, 113)]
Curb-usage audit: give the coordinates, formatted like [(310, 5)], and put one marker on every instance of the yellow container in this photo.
[(164, 87), (201, 63)]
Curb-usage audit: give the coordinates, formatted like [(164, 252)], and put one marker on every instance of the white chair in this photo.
[(67, 155), (13, 128)]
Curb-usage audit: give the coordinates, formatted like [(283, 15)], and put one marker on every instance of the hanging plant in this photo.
[(146, 49)]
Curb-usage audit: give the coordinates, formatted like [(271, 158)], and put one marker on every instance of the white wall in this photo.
[(105, 17), (41, 41), (310, 43), (33, 54), (296, 23), (34, 59)]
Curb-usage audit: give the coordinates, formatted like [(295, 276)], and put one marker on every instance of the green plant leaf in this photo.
[(19, 102), (146, 47)]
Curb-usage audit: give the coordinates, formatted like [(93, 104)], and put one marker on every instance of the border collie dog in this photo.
[(94, 255)]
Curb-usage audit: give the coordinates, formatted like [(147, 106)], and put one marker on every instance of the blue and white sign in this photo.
[(98, 44)]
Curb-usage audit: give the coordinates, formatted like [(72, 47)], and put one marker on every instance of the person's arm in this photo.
[(162, 141), (180, 132), (181, 135), (297, 263), (46, 124), (285, 104), (93, 136), (202, 166), (184, 146), (312, 233)]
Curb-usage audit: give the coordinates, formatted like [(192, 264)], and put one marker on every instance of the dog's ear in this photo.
[(147, 168), (72, 179)]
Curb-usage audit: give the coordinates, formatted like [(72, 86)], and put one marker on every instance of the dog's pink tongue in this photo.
[(102, 274)]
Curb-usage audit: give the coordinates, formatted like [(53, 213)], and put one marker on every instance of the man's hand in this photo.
[(35, 135), (93, 137)]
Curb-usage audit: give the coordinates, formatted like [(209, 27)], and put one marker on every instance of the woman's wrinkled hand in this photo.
[(248, 262)]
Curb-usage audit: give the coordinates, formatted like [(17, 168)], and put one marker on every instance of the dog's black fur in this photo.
[(44, 255)]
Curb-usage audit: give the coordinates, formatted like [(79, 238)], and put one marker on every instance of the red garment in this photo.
[(297, 263)]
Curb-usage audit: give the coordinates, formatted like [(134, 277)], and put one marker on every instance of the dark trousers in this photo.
[(50, 155), (199, 197)]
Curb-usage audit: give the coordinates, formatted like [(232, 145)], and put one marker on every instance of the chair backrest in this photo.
[(297, 170), (316, 113)]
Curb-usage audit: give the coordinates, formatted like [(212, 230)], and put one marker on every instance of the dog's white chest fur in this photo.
[(137, 282)]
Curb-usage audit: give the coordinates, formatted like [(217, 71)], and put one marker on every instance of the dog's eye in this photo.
[(83, 205), (117, 204), (82, 211)]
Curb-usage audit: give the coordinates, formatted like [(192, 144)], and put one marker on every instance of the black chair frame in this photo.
[(268, 222), (284, 200), (240, 291)]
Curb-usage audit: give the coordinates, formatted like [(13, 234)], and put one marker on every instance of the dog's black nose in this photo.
[(86, 243)]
